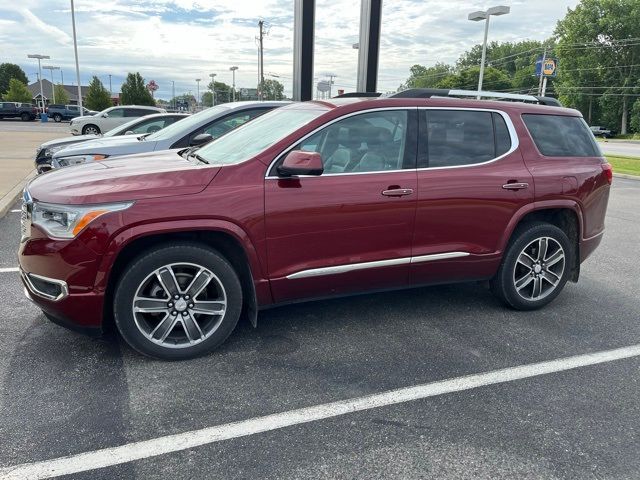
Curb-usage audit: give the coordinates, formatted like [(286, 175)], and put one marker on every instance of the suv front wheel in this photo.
[(535, 267), (177, 302)]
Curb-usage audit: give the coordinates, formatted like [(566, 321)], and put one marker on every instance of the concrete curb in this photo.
[(12, 196), (628, 177)]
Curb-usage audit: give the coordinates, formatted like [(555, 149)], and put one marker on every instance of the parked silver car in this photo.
[(138, 126), (109, 118), (198, 129)]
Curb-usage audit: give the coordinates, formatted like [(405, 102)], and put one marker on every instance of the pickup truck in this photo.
[(599, 131), (67, 112), (24, 111)]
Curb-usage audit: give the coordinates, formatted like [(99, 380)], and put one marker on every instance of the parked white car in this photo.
[(192, 131), (109, 118)]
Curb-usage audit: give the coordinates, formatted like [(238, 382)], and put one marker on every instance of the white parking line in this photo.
[(182, 441), (8, 269), (15, 211)]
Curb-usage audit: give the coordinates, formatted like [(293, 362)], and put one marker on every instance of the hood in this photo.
[(69, 140), (152, 175), (119, 145), (83, 117)]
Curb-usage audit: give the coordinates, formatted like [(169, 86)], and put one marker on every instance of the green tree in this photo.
[(62, 96), (17, 92), (207, 99), (272, 90), (134, 91), (427, 77), (9, 71), (98, 97), (222, 92), (599, 55), (467, 79)]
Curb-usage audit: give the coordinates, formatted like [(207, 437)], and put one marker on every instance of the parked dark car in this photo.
[(66, 112), (23, 111), (312, 200)]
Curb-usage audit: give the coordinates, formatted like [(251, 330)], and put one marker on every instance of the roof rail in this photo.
[(443, 92), (358, 94)]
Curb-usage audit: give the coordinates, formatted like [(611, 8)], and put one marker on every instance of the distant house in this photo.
[(47, 90)]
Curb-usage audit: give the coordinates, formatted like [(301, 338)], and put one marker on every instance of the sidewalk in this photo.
[(16, 162)]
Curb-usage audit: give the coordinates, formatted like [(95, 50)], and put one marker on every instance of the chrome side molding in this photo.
[(350, 267)]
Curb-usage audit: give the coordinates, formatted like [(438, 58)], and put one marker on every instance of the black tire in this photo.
[(57, 117), (503, 284), (25, 117), (141, 268), (86, 128)]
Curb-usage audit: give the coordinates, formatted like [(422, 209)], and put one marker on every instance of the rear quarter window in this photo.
[(561, 136)]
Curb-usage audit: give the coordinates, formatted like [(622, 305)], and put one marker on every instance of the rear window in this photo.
[(561, 136)]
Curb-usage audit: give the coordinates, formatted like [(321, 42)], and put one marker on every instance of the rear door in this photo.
[(471, 181), (345, 230)]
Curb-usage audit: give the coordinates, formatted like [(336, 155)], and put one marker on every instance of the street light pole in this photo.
[(173, 93), (485, 15), (213, 84), (233, 86), (110, 90), (198, 90), (51, 68), (75, 49), (40, 57)]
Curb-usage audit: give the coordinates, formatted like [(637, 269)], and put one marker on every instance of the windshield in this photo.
[(187, 124), (257, 135)]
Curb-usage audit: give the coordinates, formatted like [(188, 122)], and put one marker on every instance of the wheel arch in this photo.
[(234, 248), (565, 215)]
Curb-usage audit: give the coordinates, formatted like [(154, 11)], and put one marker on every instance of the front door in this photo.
[(349, 229), (471, 182)]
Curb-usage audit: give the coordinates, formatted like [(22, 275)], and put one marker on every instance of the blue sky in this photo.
[(181, 40)]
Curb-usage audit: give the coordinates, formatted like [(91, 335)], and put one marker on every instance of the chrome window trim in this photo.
[(350, 267), (64, 289), (515, 141), (269, 176)]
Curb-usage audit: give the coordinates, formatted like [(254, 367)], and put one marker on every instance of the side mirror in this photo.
[(200, 139), (129, 132), (298, 162), (105, 115)]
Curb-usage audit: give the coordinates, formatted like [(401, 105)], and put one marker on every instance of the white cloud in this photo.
[(180, 40)]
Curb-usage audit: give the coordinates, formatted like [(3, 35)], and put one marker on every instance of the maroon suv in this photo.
[(312, 200)]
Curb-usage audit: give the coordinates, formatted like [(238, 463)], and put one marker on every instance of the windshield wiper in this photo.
[(197, 157)]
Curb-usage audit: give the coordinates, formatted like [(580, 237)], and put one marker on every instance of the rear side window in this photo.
[(561, 136), (462, 137)]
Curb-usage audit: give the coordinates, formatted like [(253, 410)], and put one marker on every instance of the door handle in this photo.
[(515, 186), (397, 192)]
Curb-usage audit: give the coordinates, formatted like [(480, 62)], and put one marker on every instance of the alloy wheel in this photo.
[(539, 268), (179, 305)]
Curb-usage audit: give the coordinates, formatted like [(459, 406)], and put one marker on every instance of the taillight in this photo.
[(608, 170)]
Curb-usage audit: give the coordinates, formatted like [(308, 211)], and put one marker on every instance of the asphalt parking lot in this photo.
[(621, 147), (64, 394)]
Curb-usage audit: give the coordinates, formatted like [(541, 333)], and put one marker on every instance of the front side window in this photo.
[(219, 128), (561, 136), (369, 142), (116, 113), (149, 126)]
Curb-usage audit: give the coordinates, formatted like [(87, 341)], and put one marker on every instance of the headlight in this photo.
[(76, 160), (51, 150), (66, 221)]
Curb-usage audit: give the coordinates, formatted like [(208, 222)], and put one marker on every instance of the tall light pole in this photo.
[(173, 93), (40, 57), (198, 80), (75, 49), (62, 78), (51, 68), (110, 90), (213, 84), (233, 84), (485, 15)]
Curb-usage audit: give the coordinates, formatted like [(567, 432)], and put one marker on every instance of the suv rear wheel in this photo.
[(535, 268), (57, 117), (177, 302), (25, 117)]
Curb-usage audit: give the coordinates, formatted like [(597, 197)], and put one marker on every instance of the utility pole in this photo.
[(544, 59), (261, 58), (75, 49)]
